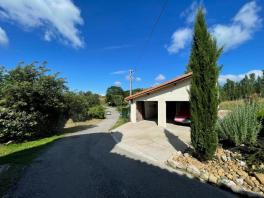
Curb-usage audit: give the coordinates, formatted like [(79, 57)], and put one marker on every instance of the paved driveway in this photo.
[(89, 164), (152, 141)]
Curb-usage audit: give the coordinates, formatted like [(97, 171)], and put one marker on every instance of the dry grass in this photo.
[(71, 127), (230, 105)]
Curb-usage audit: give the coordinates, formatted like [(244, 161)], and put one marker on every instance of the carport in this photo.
[(162, 103), (147, 110)]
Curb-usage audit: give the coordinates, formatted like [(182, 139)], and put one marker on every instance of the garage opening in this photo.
[(147, 110), (178, 112)]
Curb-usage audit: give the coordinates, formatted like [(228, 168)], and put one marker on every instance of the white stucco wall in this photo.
[(178, 92)]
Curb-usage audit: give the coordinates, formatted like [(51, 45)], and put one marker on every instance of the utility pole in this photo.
[(130, 80)]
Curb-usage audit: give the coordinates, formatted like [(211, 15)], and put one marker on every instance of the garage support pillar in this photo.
[(162, 113), (133, 112)]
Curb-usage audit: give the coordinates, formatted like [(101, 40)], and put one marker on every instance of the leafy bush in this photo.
[(97, 112), (32, 103), (79, 103), (124, 111), (241, 126)]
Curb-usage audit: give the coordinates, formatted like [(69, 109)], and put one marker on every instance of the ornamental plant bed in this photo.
[(227, 169)]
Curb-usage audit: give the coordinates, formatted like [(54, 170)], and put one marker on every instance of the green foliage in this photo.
[(115, 96), (124, 111), (241, 126), (79, 104), (127, 92), (32, 103), (243, 89), (204, 90), (97, 112)]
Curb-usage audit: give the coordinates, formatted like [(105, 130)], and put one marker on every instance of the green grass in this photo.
[(18, 156), (119, 122), (23, 153)]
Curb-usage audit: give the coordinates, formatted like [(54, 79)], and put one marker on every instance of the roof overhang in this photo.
[(160, 87)]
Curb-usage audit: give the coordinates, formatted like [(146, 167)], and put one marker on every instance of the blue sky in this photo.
[(93, 44)]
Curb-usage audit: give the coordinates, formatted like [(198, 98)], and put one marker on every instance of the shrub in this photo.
[(32, 103), (241, 126), (79, 103), (125, 111), (97, 112)]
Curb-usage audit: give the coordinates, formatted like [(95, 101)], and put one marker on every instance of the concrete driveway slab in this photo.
[(154, 141)]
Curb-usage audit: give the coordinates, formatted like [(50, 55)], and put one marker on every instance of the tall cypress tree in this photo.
[(203, 91)]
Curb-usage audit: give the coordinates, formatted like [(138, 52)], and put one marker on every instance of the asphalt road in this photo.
[(82, 165)]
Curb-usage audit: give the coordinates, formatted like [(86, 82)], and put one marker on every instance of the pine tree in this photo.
[(203, 91)]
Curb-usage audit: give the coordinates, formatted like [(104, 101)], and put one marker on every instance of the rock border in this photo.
[(194, 173)]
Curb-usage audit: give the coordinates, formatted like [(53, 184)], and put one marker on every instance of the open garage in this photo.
[(147, 110), (165, 103), (178, 112)]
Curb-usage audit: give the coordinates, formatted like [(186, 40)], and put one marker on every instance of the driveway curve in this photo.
[(83, 165)]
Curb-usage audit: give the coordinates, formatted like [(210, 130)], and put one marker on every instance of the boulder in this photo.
[(260, 177), (249, 182), (176, 165), (239, 181), (193, 170), (224, 158), (204, 175), (212, 179)]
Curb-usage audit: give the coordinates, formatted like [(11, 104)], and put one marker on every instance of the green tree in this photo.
[(115, 96), (204, 91), (262, 85), (79, 103)]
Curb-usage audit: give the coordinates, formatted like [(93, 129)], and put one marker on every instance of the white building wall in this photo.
[(133, 112), (178, 92)]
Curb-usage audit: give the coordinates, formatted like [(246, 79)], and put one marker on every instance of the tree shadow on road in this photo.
[(88, 165)]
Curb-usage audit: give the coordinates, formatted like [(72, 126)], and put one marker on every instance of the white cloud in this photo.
[(119, 72), (180, 39), (117, 83), (58, 18), (191, 11), (237, 77), (241, 29), (3, 37), (115, 47), (160, 78), (138, 79)]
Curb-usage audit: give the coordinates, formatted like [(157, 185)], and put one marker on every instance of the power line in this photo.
[(152, 31)]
